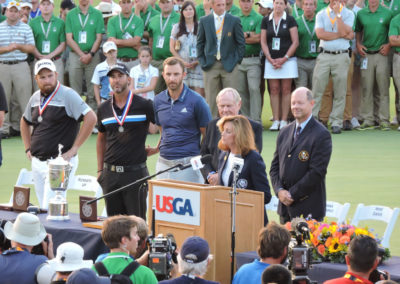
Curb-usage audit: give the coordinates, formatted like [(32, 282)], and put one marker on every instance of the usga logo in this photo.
[(177, 205)]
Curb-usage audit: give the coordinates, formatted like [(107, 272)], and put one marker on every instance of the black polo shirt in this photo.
[(127, 147), (287, 22), (60, 121)]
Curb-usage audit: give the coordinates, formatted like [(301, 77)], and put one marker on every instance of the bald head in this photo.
[(302, 103)]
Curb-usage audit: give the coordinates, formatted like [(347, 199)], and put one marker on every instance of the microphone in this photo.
[(237, 162), (196, 163), (300, 226)]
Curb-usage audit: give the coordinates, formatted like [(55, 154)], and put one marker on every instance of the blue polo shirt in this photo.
[(181, 121), (250, 273)]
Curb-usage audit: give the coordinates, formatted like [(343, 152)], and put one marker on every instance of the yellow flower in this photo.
[(361, 231), (334, 245)]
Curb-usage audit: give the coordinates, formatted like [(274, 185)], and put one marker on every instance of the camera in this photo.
[(299, 253), (162, 254)]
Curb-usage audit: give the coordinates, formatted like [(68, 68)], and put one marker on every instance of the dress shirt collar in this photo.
[(303, 124), (216, 16), (271, 16)]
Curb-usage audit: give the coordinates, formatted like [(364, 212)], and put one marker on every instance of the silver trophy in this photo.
[(59, 171)]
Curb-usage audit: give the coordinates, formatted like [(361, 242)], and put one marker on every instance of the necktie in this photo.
[(219, 35), (297, 133)]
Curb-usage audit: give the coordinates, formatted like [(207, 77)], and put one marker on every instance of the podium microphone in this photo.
[(196, 163), (237, 162)]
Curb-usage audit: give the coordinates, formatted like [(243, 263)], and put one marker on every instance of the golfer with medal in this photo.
[(123, 123), (53, 116)]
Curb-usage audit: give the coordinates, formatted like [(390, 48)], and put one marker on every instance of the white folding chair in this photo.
[(337, 210), (25, 177), (86, 183), (379, 213), (273, 204)]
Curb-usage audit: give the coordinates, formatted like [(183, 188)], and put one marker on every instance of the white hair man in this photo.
[(193, 261)]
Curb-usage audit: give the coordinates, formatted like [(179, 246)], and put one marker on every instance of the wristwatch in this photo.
[(92, 53), (339, 16), (247, 34)]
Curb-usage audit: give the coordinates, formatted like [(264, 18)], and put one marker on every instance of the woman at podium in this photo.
[(239, 153)]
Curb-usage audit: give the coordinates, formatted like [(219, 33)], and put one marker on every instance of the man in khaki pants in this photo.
[(372, 27), (16, 41), (334, 29), (394, 38)]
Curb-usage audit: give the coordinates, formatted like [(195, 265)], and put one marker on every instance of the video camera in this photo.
[(299, 253), (162, 254)]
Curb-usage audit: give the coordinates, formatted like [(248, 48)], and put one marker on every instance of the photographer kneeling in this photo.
[(273, 241), (193, 260), (18, 264)]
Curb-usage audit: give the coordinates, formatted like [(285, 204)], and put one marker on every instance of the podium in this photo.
[(190, 209)]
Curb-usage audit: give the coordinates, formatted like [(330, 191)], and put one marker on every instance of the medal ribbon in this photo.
[(125, 112), (126, 26), (307, 28), (333, 21), (86, 19), (46, 33), (165, 25), (47, 100)]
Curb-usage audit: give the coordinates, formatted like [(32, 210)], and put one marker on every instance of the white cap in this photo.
[(266, 4), (51, 1), (44, 63), (109, 45), (26, 230), (69, 258), (14, 4), (26, 4)]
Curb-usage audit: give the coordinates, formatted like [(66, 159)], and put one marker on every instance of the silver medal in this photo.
[(121, 129), (40, 119)]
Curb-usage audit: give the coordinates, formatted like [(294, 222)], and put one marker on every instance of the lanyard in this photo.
[(276, 28), (121, 119), (120, 22), (47, 100), (308, 29), (148, 18), (295, 10), (353, 278), (220, 27), (391, 4), (46, 33), (333, 21), (165, 25), (86, 19)]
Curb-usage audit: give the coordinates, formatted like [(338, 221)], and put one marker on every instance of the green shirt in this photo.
[(251, 23), (146, 17), (200, 12), (375, 27), (157, 8), (116, 262), (158, 36), (296, 11), (120, 27), (2, 18), (55, 30), (393, 5), (321, 5), (394, 29), (306, 41), (235, 10), (94, 25)]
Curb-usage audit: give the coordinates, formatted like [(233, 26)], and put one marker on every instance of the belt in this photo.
[(127, 59), (12, 62), (307, 58), (335, 52), (56, 57), (123, 169), (251, 56), (45, 158), (372, 52)]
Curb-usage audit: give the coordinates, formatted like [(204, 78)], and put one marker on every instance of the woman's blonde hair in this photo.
[(244, 135)]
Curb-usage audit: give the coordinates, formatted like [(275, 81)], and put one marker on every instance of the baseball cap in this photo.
[(51, 1), (86, 275), (69, 258), (194, 250), (26, 4), (44, 63), (266, 4), (14, 4), (120, 68), (109, 45)]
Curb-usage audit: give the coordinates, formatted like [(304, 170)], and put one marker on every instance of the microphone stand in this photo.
[(233, 194), (133, 183)]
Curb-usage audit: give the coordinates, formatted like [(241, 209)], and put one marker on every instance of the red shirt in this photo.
[(349, 278)]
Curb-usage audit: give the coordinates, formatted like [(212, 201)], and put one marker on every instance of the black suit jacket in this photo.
[(209, 144), (301, 167), (232, 42), (253, 175)]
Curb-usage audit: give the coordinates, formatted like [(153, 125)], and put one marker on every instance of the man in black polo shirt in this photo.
[(55, 113), (123, 122)]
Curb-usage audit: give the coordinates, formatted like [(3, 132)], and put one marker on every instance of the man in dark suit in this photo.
[(228, 102), (299, 166), (220, 47)]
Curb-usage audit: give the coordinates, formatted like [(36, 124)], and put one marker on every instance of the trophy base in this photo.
[(58, 211)]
